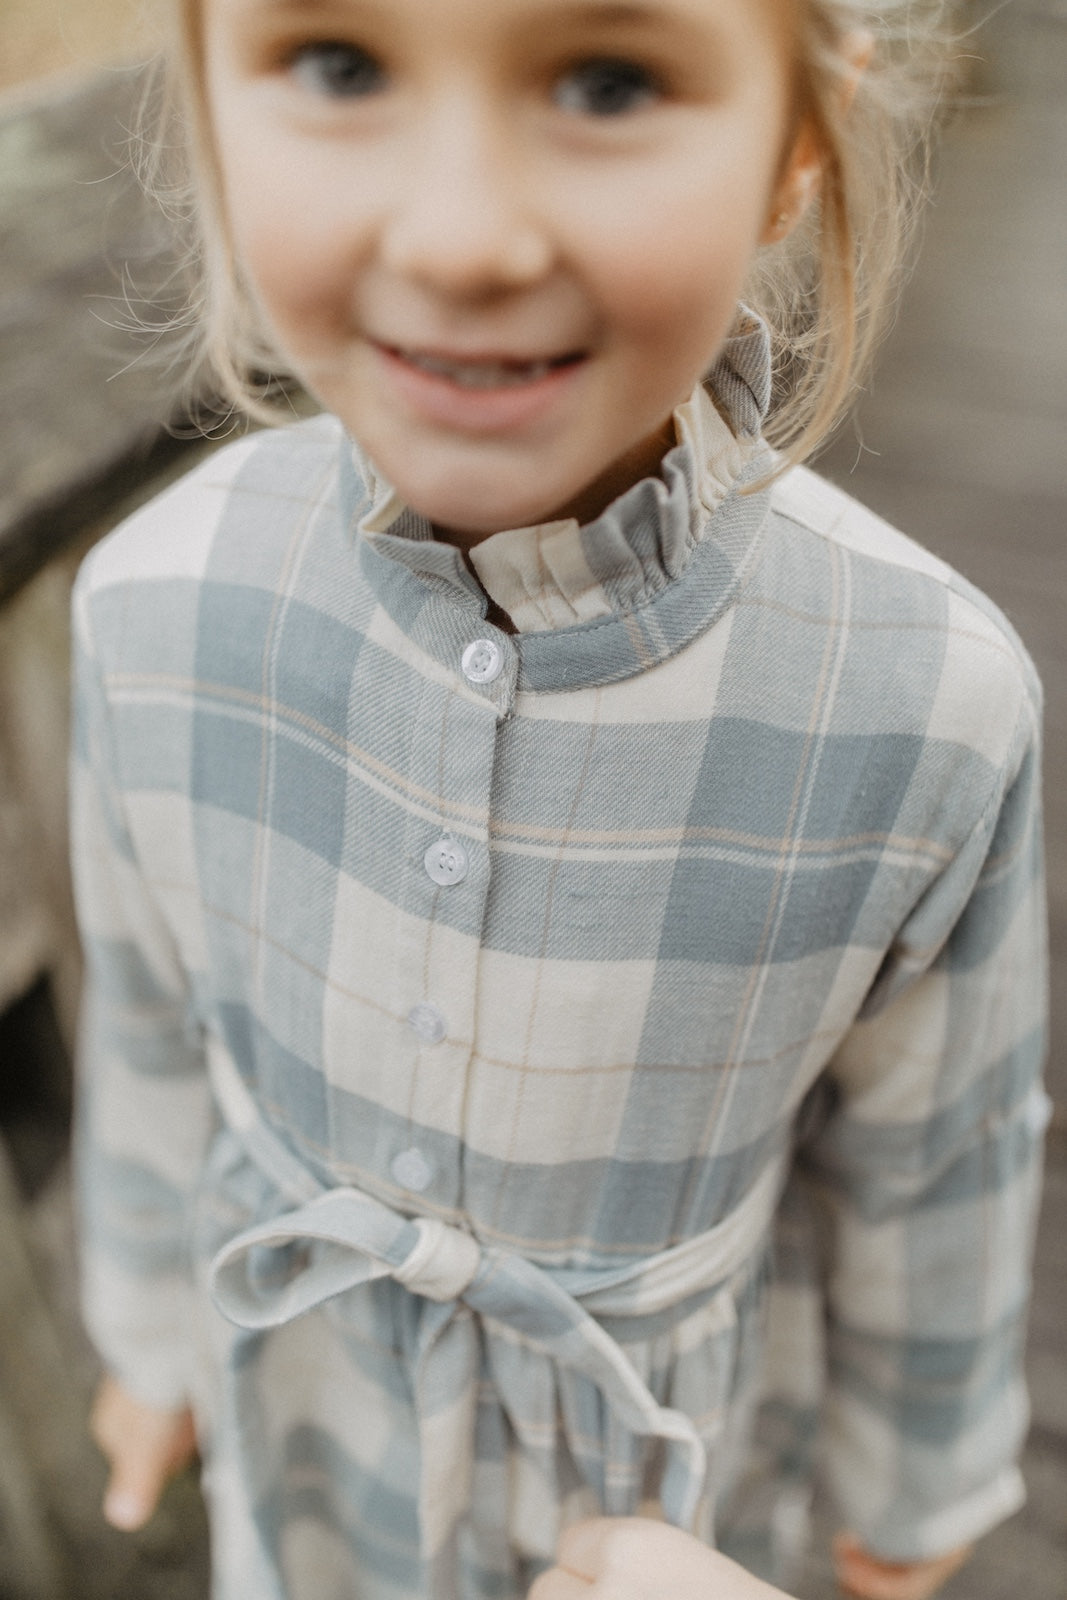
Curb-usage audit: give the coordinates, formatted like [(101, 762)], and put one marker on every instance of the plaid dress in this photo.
[(527, 1074)]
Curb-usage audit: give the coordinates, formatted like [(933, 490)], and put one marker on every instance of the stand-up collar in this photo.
[(661, 561)]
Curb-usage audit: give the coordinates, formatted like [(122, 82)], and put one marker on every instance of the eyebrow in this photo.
[(680, 18), (299, 7), (607, 12), (307, 11), (622, 13), (641, 16), (618, 11)]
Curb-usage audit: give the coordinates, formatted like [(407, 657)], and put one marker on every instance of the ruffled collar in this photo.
[(559, 575)]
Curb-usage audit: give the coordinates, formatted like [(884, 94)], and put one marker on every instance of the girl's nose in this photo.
[(461, 219)]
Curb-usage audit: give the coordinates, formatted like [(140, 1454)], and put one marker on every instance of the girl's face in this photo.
[(501, 239)]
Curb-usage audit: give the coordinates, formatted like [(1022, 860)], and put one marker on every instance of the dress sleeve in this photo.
[(143, 1105), (926, 1169)]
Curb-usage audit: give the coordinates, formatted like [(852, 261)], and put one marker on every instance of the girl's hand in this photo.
[(144, 1446), (632, 1558), (866, 1576)]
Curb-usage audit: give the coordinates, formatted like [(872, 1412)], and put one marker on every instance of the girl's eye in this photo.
[(337, 70), (607, 88)]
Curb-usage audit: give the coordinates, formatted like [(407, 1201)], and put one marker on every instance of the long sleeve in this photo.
[(144, 1110), (926, 1165)]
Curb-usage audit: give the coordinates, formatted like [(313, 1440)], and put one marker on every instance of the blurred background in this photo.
[(961, 440)]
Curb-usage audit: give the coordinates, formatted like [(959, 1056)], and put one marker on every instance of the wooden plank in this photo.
[(51, 522), (37, 1409), (84, 401), (51, 1475), (29, 1569)]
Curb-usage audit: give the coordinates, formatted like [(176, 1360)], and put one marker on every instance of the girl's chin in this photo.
[(485, 507), (471, 488)]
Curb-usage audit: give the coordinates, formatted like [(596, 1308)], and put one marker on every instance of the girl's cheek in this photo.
[(292, 261), (696, 240)]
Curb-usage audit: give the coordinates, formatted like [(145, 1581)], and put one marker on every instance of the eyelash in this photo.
[(336, 70), (613, 87), (602, 87)]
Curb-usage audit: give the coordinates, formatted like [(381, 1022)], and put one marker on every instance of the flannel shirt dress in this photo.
[(469, 1012)]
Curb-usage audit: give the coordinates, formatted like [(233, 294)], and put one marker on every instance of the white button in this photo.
[(428, 1022), (412, 1170), (483, 660), (446, 862)]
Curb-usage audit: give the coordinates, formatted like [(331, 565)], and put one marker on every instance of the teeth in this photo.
[(481, 375)]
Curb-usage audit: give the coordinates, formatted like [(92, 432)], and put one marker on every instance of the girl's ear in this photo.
[(798, 181), (797, 185), (857, 48)]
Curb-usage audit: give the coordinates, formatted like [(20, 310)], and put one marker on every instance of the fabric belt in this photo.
[(350, 1238)]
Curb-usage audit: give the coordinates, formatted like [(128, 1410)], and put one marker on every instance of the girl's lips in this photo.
[(482, 394)]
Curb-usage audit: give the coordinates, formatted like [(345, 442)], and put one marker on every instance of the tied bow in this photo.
[(338, 1238)]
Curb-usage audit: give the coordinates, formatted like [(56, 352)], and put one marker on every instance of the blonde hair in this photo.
[(827, 292)]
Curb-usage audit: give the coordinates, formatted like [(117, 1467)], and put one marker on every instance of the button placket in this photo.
[(453, 743)]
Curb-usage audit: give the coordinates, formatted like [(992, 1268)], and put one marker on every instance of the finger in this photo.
[(144, 1447), (141, 1471), (556, 1584), (105, 1415), (635, 1552), (130, 1499), (139, 1475), (856, 1573), (862, 1574), (584, 1546), (183, 1442)]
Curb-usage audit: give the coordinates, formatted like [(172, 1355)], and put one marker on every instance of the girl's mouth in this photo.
[(484, 373), (484, 394)]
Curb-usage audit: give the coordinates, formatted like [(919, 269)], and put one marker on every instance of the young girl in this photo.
[(534, 843)]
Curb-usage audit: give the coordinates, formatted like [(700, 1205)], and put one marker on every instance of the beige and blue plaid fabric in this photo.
[(432, 1015)]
